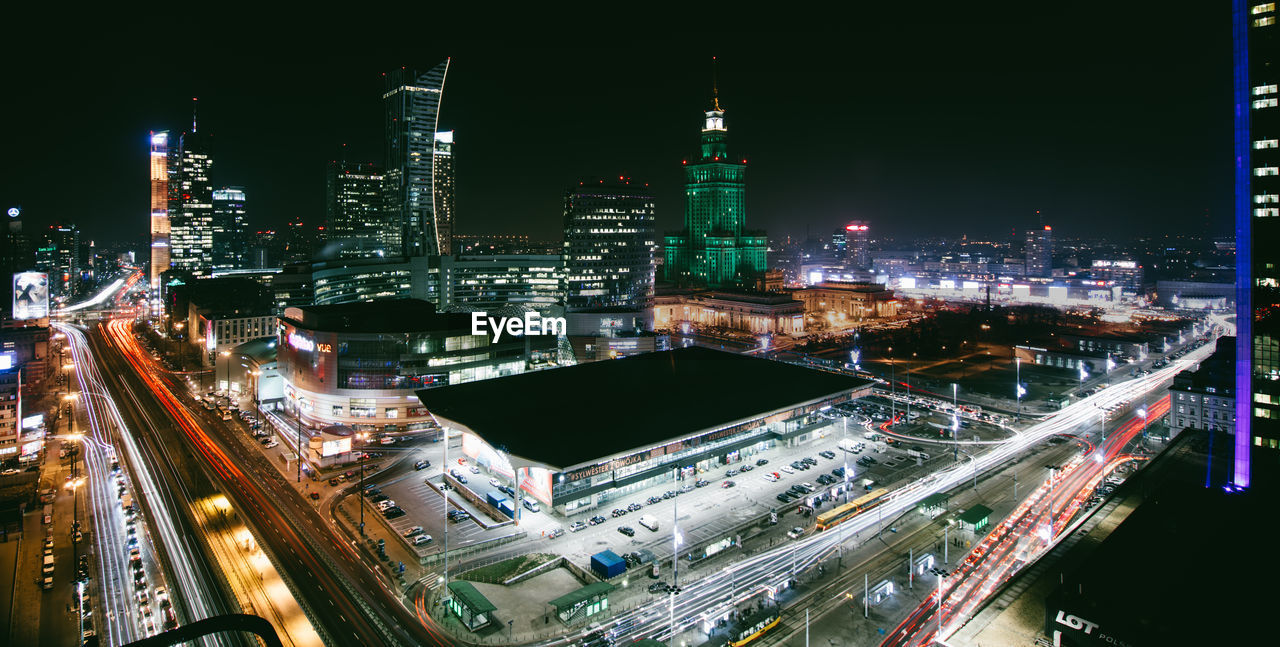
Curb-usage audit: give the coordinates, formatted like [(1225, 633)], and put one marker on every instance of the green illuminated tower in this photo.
[(714, 249)]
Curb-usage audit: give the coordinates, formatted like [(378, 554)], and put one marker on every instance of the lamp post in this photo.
[(254, 391), (225, 362), (942, 574), (178, 327), (893, 403), (1018, 378), (362, 436)]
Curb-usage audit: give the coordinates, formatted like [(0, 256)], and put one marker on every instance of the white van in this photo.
[(649, 521)]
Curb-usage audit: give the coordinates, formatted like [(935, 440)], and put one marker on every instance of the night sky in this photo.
[(1108, 123)]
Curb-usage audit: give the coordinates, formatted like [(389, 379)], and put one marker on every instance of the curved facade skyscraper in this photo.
[(412, 102)]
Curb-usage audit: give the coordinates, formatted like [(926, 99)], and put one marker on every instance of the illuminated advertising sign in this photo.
[(8, 360), (299, 342), (537, 482), (907, 282), (30, 295), (334, 447), (32, 447), (33, 422)]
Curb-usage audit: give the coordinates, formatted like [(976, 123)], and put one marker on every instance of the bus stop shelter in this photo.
[(583, 603), (975, 518), (470, 605)]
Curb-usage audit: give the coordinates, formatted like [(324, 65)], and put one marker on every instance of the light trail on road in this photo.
[(190, 593), (714, 596)]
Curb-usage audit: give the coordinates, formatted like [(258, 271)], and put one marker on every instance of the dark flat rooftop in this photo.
[(384, 316), (566, 416)]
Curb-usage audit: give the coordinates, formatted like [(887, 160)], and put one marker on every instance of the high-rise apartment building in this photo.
[(230, 232), (1039, 252), (857, 245), (715, 248), (354, 195), (191, 204), (443, 185), (1257, 213), (159, 164), (608, 246), (412, 103)]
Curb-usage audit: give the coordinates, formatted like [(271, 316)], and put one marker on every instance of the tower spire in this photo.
[(194, 106), (715, 87)]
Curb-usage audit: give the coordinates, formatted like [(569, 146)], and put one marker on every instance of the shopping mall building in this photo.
[(581, 436), (360, 364)]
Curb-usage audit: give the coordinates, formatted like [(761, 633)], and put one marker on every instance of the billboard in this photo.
[(30, 295), (335, 447)]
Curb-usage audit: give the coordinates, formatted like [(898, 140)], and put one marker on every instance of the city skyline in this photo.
[(1001, 122)]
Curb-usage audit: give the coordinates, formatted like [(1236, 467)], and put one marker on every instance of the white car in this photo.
[(796, 533), (273, 443), (384, 505), (787, 469), (474, 469), (771, 476), (421, 539), (494, 482)]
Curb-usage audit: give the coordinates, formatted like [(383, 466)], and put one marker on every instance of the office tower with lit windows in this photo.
[(230, 232), (715, 248), (857, 247), (412, 103), (191, 204), (159, 166), (1256, 87), (609, 246), (1039, 252), (58, 254), (354, 194), (443, 185)]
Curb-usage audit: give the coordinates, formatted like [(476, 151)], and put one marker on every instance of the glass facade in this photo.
[(412, 103), (608, 246), (354, 209), (191, 205), (159, 164), (230, 232)]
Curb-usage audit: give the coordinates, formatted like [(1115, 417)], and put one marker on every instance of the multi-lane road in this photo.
[(766, 574)]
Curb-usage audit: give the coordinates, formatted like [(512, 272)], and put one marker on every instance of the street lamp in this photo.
[(178, 327), (942, 573), (1021, 391), (225, 354), (70, 399), (893, 402), (362, 436)]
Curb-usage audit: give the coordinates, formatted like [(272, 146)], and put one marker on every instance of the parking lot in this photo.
[(706, 513)]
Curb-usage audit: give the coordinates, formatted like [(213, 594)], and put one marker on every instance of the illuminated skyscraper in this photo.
[(159, 205), (354, 195), (608, 246), (230, 232), (1257, 215), (857, 248), (1039, 252), (191, 204), (58, 253), (412, 103), (443, 185), (715, 248)]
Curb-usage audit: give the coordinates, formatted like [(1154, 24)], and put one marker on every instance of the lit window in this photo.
[(1263, 171), (1269, 212), (1263, 22), (1264, 103), (1266, 143), (1264, 89), (1267, 7), (1266, 198)]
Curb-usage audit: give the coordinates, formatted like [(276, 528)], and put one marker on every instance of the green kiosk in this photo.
[(470, 605)]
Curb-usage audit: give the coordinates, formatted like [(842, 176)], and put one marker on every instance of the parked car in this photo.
[(796, 533), (700, 483), (555, 533), (618, 512), (494, 482), (421, 539), (577, 525), (762, 462), (772, 476), (727, 484), (596, 520), (422, 464), (634, 507), (416, 530), (653, 499), (746, 468), (658, 587), (474, 469), (731, 473), (784, 497), (788, 469), (627, 530)]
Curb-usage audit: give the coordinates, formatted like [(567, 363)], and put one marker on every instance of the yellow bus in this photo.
[(843, 513)]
